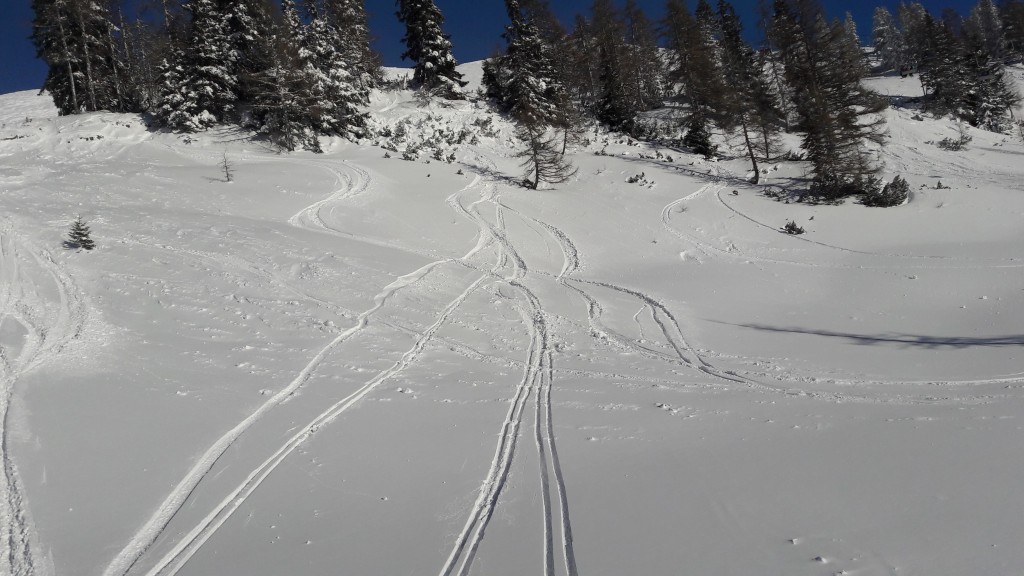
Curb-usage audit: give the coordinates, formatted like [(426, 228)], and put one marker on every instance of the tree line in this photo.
[(294, 70)]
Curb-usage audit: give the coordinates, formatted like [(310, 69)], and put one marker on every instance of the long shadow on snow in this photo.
[(906, 340)]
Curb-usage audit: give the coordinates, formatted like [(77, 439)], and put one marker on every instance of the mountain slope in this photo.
[(347, 363)]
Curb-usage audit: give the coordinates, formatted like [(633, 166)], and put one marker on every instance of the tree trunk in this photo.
[(750, 151), (67, 58)]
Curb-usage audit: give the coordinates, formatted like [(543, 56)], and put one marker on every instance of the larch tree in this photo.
[(837, 113), (749, 106)]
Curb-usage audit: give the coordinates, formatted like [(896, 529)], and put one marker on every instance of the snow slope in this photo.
[(346, 363)]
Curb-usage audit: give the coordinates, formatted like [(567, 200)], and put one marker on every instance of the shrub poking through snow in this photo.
[(792, 227), (960, 142), (892, 194), (78, 237)]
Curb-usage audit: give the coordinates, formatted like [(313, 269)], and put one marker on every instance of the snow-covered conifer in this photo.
[(525, 79), (349, 16), (198, 86), (79, 236), (74, 38), (430, 49)]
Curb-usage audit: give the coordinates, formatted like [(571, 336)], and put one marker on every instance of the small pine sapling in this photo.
[(78, 236)]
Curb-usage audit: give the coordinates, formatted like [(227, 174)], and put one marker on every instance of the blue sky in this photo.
[(474, 25)]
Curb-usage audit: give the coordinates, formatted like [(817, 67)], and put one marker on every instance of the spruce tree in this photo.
[(75, 39), (888, 40), (525, 79), (249, 30), (349, 17), (430, 49), (695, 69), (337, 84), (198, 86), (79, 235)]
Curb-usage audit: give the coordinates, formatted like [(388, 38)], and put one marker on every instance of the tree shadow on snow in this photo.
[(904, 340)]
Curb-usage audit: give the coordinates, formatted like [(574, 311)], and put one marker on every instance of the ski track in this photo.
[(536, 382), (173, 561), (146, 536), (46, 335), (709, 250)]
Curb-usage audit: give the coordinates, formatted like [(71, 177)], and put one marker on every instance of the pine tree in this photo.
[(338, 87), (888, 40), (645, 74), (198, 87), (75, 39), (1011, 14), (249, 30), (524, 79), (78, 236), (349, 16), (430, 49), (291, 104), (695, 69), (986, 24)]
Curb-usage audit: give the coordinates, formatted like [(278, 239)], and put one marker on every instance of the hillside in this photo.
[(356, 364)]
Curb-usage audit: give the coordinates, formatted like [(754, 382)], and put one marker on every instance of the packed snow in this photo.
[(356, 364)]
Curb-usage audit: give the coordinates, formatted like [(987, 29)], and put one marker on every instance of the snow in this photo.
[(346, 363)]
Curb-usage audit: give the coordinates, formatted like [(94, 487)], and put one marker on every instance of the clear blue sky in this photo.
[(474, 25)]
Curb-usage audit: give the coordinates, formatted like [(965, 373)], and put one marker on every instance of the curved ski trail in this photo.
[(147, 535), (45, 335)]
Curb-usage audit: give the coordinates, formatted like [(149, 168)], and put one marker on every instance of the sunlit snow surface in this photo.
[(359, 365)]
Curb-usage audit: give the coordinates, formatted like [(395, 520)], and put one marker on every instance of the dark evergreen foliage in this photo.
[(79, 236), (698, 137), (430, 49), (525, 80), (892, 194), (837, 114)]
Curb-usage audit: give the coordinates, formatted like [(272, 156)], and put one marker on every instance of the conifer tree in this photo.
[(292, 104), (644, 71), (75, 39), (525, 79), (79, 235), (337, 85), (542, 160), (249, 30), (836, 112), (1011, 14), (888, 40), (695, 68), (198, 87), (986, 25), (749, 105), (350, 18), (430, 49)]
